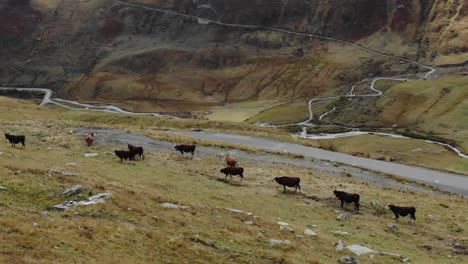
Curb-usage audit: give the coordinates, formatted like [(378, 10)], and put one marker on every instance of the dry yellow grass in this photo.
[(438, 107), (407, 151), (132, 227)]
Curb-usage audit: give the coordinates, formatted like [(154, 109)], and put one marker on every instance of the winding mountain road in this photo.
[(445, 181), (47, 99)]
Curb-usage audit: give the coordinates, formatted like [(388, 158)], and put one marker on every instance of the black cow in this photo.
[(185, 148), (15, 139), (136, 150), (229, 171), (124, 155), (403, 211), (288, 181), (348, 198)]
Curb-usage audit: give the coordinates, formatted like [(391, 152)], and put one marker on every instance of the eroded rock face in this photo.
[(114, 52)]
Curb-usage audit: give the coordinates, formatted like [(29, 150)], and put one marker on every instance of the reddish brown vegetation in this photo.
[(112, 28)]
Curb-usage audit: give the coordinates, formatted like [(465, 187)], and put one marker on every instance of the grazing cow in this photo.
[(125, 154), (348, 198), (136, 150), (185, 148), (15, 139), (229, 171), (288, 181), (403, 211), (230, 161), (89, 139)]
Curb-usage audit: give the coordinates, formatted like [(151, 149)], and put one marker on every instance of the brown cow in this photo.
[(136, 150), (288, 181), (124, 155), (229, 171), (15, 139), (348, 198), (89, 139), (403, 211), (230, 161), (185, 148)]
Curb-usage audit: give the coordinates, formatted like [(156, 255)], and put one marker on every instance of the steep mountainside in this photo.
[(106, 50)]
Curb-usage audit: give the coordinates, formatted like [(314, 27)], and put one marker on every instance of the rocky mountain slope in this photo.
[(142, 59)]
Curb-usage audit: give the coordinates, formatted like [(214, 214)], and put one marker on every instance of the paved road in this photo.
[(47, 93), (81, 106), (446, 181)]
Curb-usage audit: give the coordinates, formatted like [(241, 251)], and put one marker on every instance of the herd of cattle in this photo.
[(232, 169)]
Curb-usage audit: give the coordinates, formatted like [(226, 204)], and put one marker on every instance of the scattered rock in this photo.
[(458, 246), (1, 153), (260, 234), (3, 187), (339, 246), (44, 213), (210, 244), (70, 164), (248, 222), (300, 236), (393, 255), (348, 260), (279, 241), (310, 233), (393, 227), (235, 210), (35, 224), (282, 223), (432, 218), (343, 217), (286, 228), (249, 213), (406, 260), (359, 250), (98, 198), (338, 232), (88, 155), (53, 171), (73, 190), (460, 249), (174, 206)]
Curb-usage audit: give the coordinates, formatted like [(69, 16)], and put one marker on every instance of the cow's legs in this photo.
[(356, 208)]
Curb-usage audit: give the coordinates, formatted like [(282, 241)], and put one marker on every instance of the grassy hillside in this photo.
[(407, 151), (133, 227), (437, 107)]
